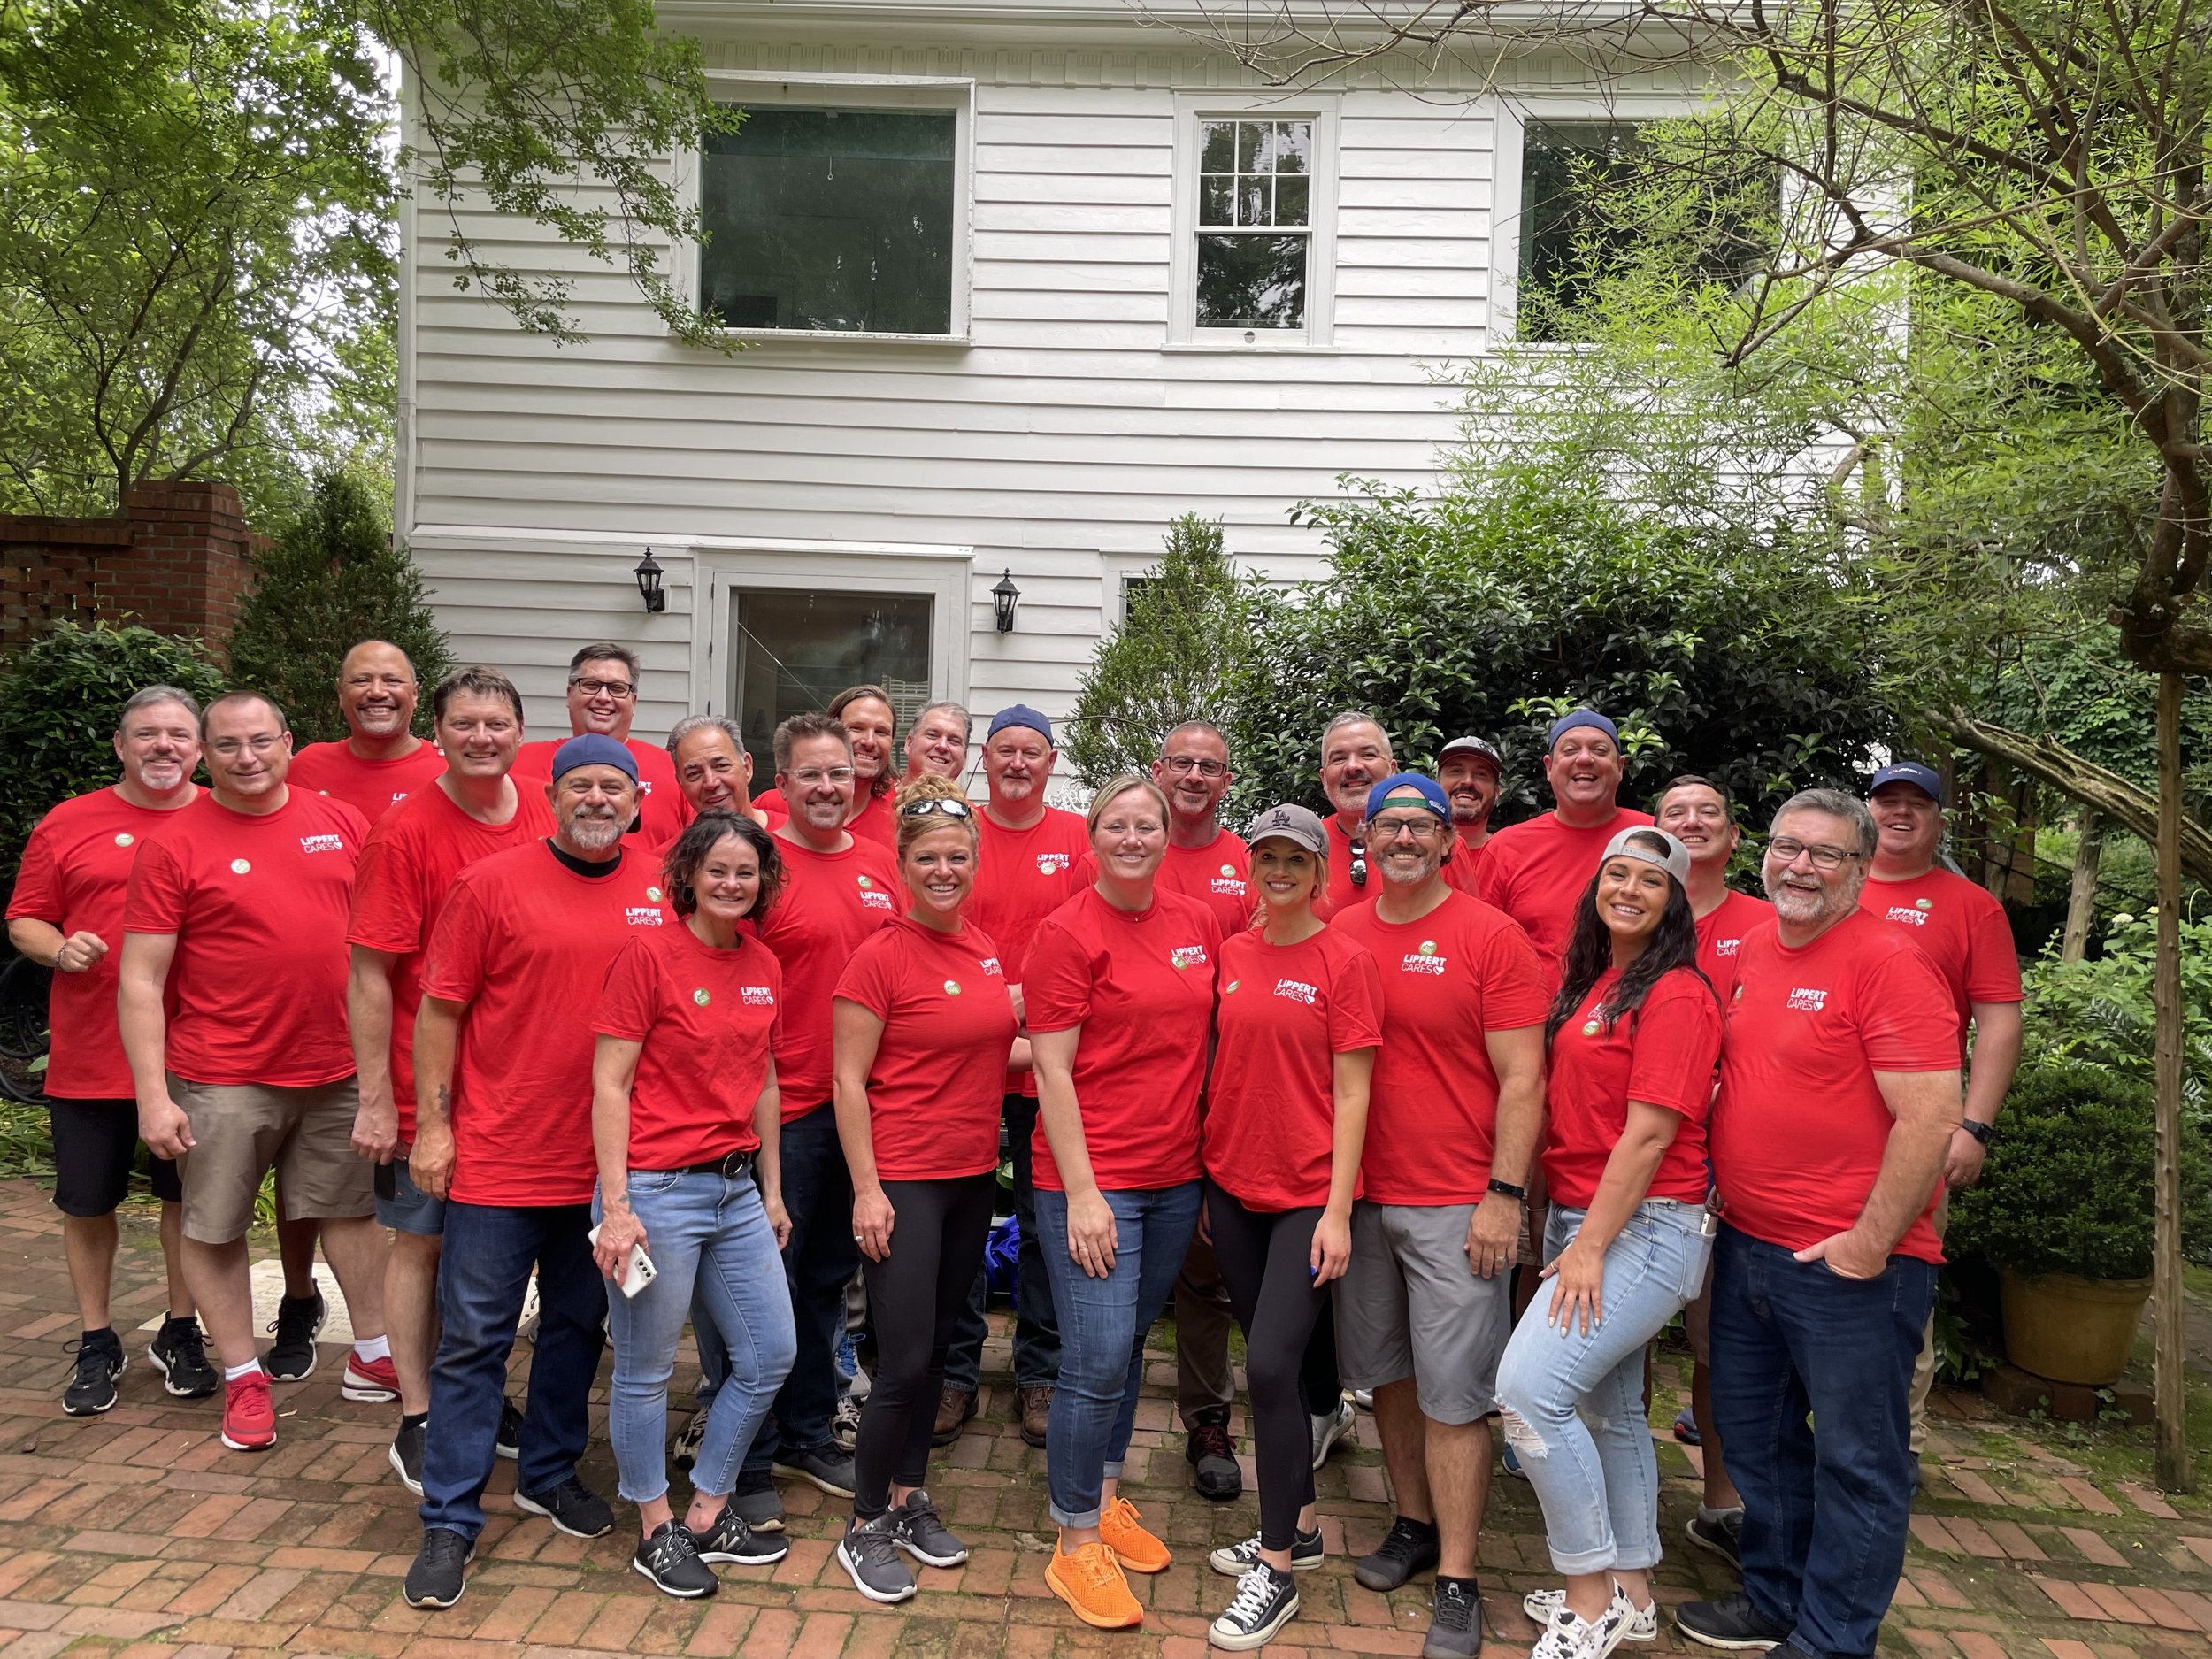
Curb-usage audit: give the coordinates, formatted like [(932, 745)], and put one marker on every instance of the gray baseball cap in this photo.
[(1675, 861), (1293, 823), (1481, 749)]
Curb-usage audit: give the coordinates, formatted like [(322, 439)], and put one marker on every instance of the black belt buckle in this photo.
[(737, 1165)]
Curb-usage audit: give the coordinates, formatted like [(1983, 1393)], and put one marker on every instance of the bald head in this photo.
[(377, 693)]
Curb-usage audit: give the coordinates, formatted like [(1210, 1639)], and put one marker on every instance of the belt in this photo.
[(729, 1167)]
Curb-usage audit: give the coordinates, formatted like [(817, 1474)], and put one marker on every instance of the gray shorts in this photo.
[(1409, 1305), (405, 1207)]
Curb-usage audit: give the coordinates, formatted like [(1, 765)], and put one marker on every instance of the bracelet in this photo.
[(1981, 1131), (1505, 1189)]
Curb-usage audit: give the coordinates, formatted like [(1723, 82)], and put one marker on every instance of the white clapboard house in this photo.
[(1021, 281)]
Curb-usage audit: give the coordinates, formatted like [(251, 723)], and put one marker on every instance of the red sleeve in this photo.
[(38, 882), (1356, 1005), (1906, 1019), (1676, 1044), (869, 980), (154, 901), (626, 1002), (1516, 985), (1058, 979), (453, 967), (1992, 960), (386, 906)]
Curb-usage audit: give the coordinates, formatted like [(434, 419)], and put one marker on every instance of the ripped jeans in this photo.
[(1573, 1405)]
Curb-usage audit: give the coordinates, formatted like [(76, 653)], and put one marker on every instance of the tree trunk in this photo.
[(2081, 901), (2170, 1373)]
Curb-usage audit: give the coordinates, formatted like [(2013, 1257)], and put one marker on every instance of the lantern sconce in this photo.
[(648, 584), (1004, 597)]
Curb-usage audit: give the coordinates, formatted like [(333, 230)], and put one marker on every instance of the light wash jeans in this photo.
[(1573, 1405), (1102, 1327), (701, 1227)]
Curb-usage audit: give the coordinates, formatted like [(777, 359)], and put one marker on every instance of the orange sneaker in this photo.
[(1091, 1583), (1135, 1547)]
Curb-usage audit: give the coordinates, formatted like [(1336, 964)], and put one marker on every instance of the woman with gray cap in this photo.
[(1299, 1022), (1633, 1036)]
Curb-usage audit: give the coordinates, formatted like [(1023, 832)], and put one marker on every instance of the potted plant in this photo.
[(2063, 1210)]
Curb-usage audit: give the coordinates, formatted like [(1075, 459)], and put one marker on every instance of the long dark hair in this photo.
[(680, 866), (1590, 954)]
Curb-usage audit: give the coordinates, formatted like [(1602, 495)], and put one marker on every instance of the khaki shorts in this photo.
[(240, 1131), (1409, 1305)]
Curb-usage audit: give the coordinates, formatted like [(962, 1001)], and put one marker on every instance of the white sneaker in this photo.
[(1328, 1428), (1363, 1398), (1568, 1636)]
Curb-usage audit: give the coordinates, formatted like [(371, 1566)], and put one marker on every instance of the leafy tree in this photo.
[(333, 578)]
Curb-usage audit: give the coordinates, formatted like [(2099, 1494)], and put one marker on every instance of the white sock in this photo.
[(375, 1348), (232, 1373)]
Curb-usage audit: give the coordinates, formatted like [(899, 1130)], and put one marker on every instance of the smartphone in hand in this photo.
[(637, 1272)]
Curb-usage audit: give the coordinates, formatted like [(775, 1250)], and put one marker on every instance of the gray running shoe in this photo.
[(869, 1552), (922, 1534)]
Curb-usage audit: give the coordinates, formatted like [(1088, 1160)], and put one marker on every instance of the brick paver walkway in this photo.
[(138, 1534)]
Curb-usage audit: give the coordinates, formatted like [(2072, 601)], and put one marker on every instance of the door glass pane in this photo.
[(794, 650)]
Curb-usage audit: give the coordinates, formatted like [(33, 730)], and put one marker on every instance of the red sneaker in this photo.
[(374, 1380), (248, 1416)]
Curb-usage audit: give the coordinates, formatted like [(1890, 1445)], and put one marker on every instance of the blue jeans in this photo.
[(818, 1260), (1036, 1330), (706, 1231), (1102, 1327), (1573, 1404), (1796, 1346), (483, 1273)]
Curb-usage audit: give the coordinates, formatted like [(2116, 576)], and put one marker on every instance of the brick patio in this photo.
[(138, 1534)]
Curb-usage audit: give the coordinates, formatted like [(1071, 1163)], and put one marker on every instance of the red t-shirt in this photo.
[(772, 806), (706, 1018), (259, 903), (1142, 985), (1961, 928), (1464, 869), (940, 1070), (662, 810), (1721, 933), (1218, 875), (407, 868), (1287, 1013), (1798, 1127), (525, 942), (1462, 970), (829, 903), (1661, 1054), (371, 787), (76, 868), (1023, 876), (1339, 894), (1537, 872)]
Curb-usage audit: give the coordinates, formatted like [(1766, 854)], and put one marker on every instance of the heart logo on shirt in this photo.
[(701, 996), (124, 838), (239, 867), (952, 988)]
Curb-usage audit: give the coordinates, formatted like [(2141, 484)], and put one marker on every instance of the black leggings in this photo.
[(1265, 1258), (915, 1297)]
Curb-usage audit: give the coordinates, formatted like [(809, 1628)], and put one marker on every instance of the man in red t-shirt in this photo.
[(502, 1058), (1839, 1092), (230, 1000), (1471, 772), (603, 697), (1355, 755), (470, 811), (714, 768), (380, 762), (1424, 1311), (1539, 869), (66, 912), (937, 742)]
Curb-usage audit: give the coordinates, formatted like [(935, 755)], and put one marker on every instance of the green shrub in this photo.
[(2067, 1187), (2099, 1010)]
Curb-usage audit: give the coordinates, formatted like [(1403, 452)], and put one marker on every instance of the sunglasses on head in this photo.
[(937, 806)]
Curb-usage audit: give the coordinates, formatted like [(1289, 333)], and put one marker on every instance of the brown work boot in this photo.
[(955, 1407), (1036, 1405)]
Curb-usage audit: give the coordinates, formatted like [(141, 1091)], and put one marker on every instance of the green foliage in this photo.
[(1170, 660), (59, 697), (333, 579), (2067, 1186), (2098, 1009)]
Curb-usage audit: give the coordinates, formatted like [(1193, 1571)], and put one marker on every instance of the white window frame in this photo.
[(1193, 109), (824, 90)]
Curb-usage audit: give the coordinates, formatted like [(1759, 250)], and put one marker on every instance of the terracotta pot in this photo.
[(2071, 1330)]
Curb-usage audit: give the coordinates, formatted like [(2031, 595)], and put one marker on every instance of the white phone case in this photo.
[(637, 1272)]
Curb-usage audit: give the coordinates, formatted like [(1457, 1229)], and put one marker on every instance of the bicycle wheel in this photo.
[(23, 988)]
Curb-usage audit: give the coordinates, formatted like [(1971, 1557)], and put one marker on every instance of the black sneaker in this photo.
[(1723, 1535), (1212, 1458), (825, 1466), (1730, 1623), (180, 1353), (99, 1362), (299, 1321), (1266, 1600), (1235, 1560), (1456, 1626), (1408, 1548), (405, 1455), (572, 1506), (733, 1540), (508, 1442), (684, 1451), (435, 1579), (922, 1534), (757, 1503), (869, 1552), (671, 1560)]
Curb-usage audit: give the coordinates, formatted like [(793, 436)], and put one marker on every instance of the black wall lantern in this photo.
[(1004, 597), (648, 584)]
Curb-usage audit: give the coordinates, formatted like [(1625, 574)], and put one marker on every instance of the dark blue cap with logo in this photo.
[(1020, 714), (594, 748), (1591, 718), (1430, 792), (1922, 778)]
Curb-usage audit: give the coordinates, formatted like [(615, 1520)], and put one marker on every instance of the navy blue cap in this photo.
[(1020, 714), (1922, 778), (594, 748), (1430, 792), (1591, 718)]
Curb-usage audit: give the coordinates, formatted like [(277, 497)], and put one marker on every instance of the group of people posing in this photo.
[(1458, 1119)]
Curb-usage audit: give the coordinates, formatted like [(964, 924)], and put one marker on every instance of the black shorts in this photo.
[(96, 1143)]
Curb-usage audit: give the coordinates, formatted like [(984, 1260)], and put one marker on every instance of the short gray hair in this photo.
[(1355, 717), (967, 720), (151, 696), (1205, 725), (721, 723), (1835, 803)]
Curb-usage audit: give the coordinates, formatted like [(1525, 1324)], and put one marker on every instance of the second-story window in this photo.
[(1254, 219)]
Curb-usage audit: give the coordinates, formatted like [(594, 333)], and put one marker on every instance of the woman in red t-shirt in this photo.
[(923, 1027), (684, 1118), (1634, 1034), (1300, 1020)]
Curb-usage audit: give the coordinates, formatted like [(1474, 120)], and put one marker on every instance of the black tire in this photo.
[(24, 985)]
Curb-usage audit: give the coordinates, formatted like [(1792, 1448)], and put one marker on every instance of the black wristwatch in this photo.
[(1980, 1132), (1505, 1189)]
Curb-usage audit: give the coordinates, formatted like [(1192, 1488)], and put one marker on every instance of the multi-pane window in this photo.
[(1255, 223)]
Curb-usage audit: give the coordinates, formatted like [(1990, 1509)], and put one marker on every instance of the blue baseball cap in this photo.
[(1567, 722), (594, 748), (1922, 778), (1430, 792), (1020, 714)]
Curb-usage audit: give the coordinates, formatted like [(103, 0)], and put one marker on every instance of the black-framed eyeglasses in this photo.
[(1184, 764), (1824, 858), (937, 806), (619, 689), (1359, 864)]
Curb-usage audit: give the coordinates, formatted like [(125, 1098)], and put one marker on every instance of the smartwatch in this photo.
[(1505, 1189), (1981, 1131)]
